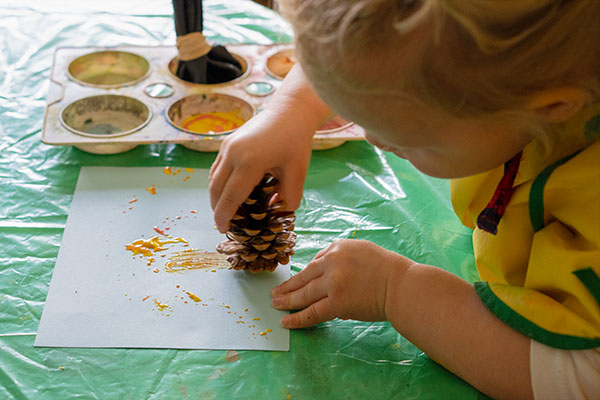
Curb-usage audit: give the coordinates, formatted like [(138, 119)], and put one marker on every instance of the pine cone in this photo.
[(260, 236)]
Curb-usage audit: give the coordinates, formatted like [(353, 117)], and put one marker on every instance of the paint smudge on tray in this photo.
[(196, 259)]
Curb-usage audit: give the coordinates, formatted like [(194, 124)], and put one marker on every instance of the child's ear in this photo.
[(558, 104)]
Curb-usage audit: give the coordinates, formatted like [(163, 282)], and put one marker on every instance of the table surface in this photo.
[(353, 191)]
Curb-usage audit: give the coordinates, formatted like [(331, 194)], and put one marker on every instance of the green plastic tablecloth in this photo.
[(352, 191)]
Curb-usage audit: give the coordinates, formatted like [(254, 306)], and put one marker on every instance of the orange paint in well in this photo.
[(215, 122)]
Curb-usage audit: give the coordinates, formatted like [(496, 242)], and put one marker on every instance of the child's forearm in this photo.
[(442, 315)]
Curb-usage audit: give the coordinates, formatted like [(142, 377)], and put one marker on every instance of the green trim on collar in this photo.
[(536, 193), (528, 328), (590, 280)]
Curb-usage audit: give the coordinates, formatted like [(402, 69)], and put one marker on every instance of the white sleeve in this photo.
[(564, 374)]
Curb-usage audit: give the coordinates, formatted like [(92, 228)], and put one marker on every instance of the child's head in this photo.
[(402, 66)]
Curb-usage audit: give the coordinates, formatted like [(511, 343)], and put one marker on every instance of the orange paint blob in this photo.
[(133, 200), (190, 170), (167, 170), (186, 178), (158, 230), (145, 298), (151, 189)]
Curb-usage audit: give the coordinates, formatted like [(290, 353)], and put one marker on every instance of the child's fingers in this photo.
[(321, 253), (218, 177), (291, 185), (312, 271), (318, 312), (308, 294), (235, 190), (215, 165)]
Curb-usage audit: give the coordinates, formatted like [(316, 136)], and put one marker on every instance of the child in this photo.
[(502, 96)]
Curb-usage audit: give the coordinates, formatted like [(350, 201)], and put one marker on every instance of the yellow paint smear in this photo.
[(147, 247), (161, 306), (194, 297), (216, 122), (195, 259)]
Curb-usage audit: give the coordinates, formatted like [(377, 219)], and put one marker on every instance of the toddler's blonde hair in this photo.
[(482, 57)]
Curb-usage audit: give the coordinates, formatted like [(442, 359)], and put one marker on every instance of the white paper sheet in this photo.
[(102, 296)]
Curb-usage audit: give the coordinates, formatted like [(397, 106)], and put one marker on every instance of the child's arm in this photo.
[(434, 309), (278, 141)]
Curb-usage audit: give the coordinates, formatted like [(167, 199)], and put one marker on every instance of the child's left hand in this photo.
[(351, 279)]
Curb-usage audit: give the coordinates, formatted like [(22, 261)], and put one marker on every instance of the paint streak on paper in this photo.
[(196, 259)]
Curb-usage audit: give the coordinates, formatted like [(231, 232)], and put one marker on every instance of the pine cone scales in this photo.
[(260, 236)]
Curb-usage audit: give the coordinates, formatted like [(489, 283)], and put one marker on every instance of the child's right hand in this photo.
[(262, 145), (276, 141)]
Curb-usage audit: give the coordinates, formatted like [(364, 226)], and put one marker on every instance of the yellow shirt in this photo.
[(541, 271)]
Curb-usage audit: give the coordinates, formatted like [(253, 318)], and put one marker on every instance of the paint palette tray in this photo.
[(110, 100)]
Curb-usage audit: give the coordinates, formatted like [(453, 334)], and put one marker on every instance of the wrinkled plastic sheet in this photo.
[(352, 191)]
